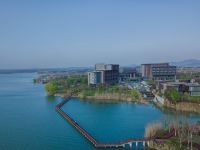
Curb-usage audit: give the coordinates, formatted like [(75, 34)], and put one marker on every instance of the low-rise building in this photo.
[(127, 74), (193, 89)]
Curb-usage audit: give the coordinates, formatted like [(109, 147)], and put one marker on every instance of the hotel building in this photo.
[(159, 71)]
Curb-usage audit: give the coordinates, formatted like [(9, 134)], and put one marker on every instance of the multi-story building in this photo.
[(159, 71), (104, 74), (94, 77)]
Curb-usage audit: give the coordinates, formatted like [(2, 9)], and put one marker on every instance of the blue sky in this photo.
[(58, 33)]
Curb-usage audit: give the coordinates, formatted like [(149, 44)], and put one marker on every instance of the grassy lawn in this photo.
[(174, 142), (196, 139)]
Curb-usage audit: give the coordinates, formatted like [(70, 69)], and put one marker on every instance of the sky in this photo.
[(80, 33)]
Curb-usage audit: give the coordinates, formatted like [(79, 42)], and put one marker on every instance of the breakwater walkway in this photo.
[(90, 138)]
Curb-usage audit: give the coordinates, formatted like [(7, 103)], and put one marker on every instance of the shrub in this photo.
[(172, 94), (88, 93), (51, 88), (152, 129), (134, 94)]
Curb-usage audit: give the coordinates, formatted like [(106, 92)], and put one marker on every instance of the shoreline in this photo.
[(119, 144), (187, 107), (103, 98)]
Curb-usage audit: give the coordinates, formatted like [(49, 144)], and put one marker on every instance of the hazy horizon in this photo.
[(52, 34)]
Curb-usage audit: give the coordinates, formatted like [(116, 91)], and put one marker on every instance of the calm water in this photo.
[(28, 120)]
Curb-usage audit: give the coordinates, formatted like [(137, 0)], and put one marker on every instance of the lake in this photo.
[(29, 120)]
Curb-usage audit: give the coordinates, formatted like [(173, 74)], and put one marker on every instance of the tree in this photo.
[(51, 88), (172, 94), (134, 94)]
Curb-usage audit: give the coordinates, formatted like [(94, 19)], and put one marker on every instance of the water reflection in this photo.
[(50, 98)]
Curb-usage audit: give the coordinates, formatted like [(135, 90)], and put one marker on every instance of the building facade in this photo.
[(193, 89), (94, 77), (104, 74), (127, 74), (160, 71)]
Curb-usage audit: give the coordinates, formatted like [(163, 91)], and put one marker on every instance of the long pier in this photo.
[(91, 139)]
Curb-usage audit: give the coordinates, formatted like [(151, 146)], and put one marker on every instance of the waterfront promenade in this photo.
[(94, 142)]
